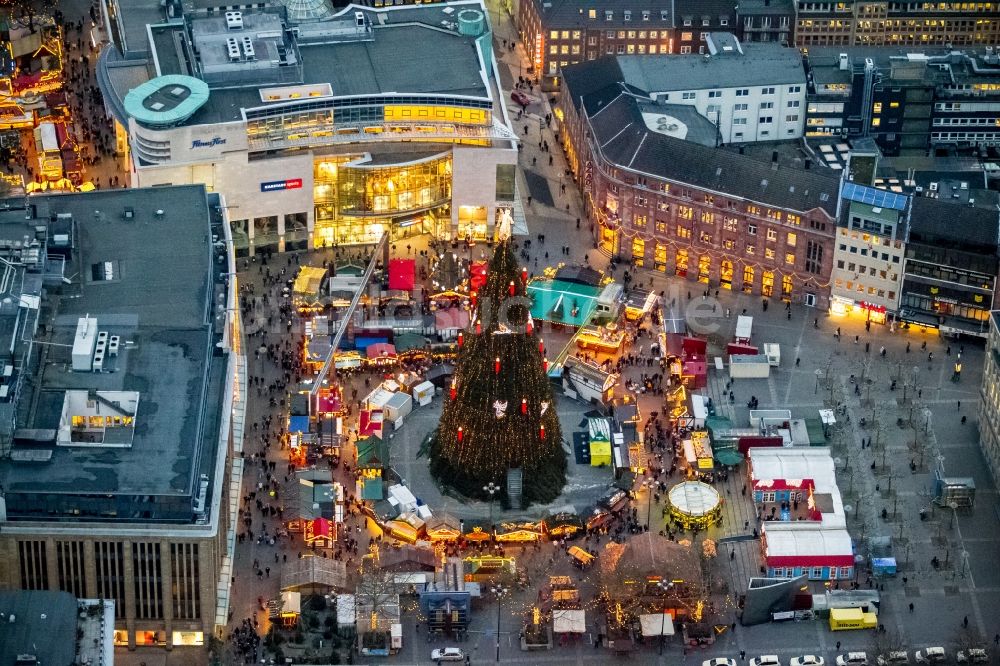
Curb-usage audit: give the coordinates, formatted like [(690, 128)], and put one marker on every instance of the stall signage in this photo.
[(276, 185)]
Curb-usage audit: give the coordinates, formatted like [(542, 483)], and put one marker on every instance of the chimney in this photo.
[(774, 156), (809, 164)]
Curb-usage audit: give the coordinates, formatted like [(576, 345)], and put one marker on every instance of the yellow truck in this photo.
[(844, 619)]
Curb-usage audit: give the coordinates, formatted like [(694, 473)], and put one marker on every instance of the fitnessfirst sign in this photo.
[(214, 141), (277, 185)]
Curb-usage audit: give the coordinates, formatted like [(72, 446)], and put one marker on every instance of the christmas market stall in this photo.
[(520, 532), (320, 532), (694, 505), (563, 524), (381, 355), (443, 527)]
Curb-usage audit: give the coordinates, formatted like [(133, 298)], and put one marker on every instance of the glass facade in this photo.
[(356, 203)]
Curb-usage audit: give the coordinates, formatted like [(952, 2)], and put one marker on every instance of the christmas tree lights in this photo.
[(478, 438)]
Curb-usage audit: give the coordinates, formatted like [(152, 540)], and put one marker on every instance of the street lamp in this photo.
[(648, 484), (664, 586), (498, 591), (491, 488), (819, 373)]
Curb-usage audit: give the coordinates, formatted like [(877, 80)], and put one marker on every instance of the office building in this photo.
[(766, 20), (906, 101), (122, 406), (989, 399), (868, 259), (661, 194), (884, 23), (321, 131), (950, 271)]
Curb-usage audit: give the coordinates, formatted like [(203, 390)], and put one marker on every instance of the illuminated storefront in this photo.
[(355, 203)]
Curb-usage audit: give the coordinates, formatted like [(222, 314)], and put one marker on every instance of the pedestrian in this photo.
[(911, 606), (959, 405), (965, 622), (838, 646), (743, 653)]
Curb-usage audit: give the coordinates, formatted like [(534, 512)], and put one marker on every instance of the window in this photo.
[(752, 229), (845, 572), (791, 239), (767, 91), (772, 235), (742, 92), (840, 265), (638, 251), (685, 212), (705, 237), (729, 244), (565, 34), (688, 95), (554, 34), (729, 224), (724, 22), (739, 121), (768, 253), (705, 21), (794, 90), (645, 15), (653, 34), (766, 120), (741, 107), (790, 258), (628, 15), (661, 227), (793, 104), (767, 105), (683, 232), (610, 34), (751, 250), (687, 36), (664, 15), (707, 218), (793, 118), (592, 13), (576, 34), (713, 94), (609, 15), (639, 220), (687, 24), (685, 50)]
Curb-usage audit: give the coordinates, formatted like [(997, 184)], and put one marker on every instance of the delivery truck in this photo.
[(772, 350), (846, 619)]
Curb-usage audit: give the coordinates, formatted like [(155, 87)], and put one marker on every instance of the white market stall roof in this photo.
[(346, 609), (785, 463), (566, 621), (398, 401), (378, 398), (694, 498), (793, 539), (656, 624), (291, 602)]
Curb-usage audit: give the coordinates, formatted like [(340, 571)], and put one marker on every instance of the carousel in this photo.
[(694, 505)]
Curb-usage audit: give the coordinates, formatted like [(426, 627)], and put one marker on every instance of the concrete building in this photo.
[(885, 23), (906, 101), (321, 130), (989, 399), (122, 406), (868, 259), (766, 20), (950, 271), (661, 194)]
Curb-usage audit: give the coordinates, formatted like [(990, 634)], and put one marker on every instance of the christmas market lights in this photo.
[(499, 417)]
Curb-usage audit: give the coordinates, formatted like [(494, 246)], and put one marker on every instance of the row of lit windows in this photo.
[(965, 121), (860, 288), (861, 269)]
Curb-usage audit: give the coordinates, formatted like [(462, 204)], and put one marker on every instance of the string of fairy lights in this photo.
[(500, 412)]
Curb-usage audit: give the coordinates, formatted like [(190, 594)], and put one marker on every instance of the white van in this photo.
[(931, 655)]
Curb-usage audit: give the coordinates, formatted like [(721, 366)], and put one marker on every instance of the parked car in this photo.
[(719, 661), (897, 658), (447, 654), (766, 660), (853, 659), (807, 660), (931, 655), (520, 97), (972, 656)]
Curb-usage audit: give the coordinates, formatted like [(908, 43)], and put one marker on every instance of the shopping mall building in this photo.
[(319, 128)]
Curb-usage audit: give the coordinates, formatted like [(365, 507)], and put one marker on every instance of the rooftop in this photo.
[(142, 265), (729, 64), (576, 14), (625, 139), (415, 49), (945, 221), (38, 623)]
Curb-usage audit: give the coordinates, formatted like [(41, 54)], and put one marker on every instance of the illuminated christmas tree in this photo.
[(499, 412)]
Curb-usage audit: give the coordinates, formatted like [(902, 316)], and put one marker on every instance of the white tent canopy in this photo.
[(569, 621), (657, 624)]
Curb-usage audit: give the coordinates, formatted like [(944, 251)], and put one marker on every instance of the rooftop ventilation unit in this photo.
[(233, 48), (234, 20), (359, 19), (248, 48)]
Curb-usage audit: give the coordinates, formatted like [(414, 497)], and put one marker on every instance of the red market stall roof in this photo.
[(402, 274), (695, 347), (698, 372), (741, 350), (328, 401), (370, 423), (451, 319), (477, 271), (319, 529), (381, 350)]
